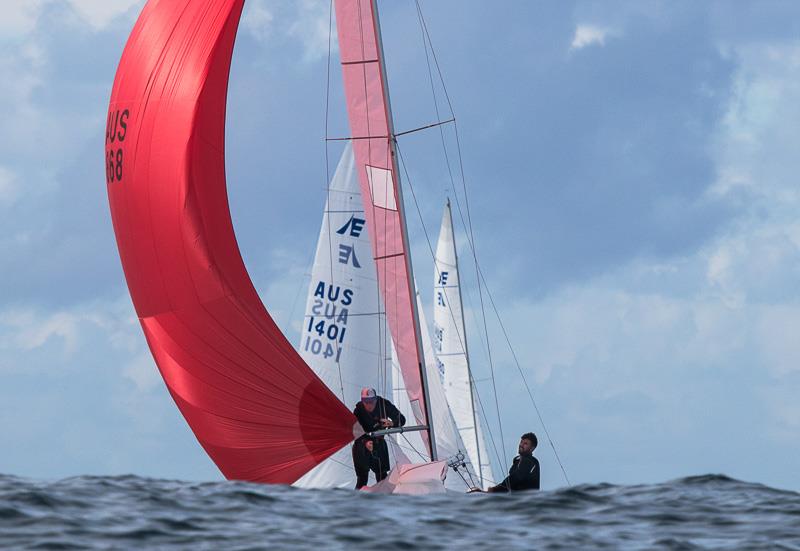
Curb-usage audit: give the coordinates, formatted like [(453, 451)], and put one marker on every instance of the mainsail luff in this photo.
[(253, 404), (374, 146)]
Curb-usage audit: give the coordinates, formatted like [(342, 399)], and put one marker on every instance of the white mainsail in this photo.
[(450, 346), (344, 337)]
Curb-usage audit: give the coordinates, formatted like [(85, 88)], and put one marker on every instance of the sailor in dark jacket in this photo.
[(524, 471), (373, 413)]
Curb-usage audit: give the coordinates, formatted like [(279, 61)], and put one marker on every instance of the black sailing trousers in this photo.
[(365, 461)]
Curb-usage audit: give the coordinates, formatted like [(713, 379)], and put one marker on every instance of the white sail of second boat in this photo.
[(450, 346)]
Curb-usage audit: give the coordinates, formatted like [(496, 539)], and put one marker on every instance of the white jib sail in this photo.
[(448, 439), (344, 337), (450, 346)]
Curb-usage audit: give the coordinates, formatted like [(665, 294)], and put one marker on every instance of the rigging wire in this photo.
[(328, 176), (524, 379), (471, 242), (473, 389)]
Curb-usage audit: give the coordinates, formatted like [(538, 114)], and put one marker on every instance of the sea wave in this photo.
[(92, 512)]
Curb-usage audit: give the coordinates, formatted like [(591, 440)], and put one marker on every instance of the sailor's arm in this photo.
[(500, 488), (397, 418)]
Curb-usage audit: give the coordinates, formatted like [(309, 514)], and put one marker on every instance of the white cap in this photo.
[(368, 394)]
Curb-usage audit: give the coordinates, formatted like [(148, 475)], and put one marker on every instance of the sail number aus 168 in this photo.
[(116, 132)]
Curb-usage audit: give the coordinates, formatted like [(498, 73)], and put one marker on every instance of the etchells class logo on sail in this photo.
[(116, 132), (347, 252)]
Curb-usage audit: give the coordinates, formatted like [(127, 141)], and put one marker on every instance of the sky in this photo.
[(633, 185)]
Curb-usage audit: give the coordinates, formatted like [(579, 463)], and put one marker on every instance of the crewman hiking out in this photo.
[(524, 472)]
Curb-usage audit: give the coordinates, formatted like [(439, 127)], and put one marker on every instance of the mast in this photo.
[(466, 348), (403, 225)]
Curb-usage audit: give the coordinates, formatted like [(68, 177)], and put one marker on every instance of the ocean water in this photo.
[(129, 512)]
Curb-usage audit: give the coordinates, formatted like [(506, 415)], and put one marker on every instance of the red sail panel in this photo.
[(254, 405), (370, 126)]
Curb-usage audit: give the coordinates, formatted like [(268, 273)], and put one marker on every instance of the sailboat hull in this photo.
[(413, 479)]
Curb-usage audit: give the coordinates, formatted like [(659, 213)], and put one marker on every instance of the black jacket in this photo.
[(523, 475), (384, 409)]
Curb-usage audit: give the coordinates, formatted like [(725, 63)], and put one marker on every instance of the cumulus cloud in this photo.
[(141, 370), (99, 13), (81, 381), (23, 120), (257, 19), (588, 34), (754, 144), (312, 26), (710, 333), (19, 17), (66, 330), (305, 22), (27, 329), (52, 106)]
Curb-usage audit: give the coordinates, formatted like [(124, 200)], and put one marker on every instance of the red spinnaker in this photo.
[(254, 405), (370, 125)]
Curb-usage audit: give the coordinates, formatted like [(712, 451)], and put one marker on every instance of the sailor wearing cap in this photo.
[(371, 453)]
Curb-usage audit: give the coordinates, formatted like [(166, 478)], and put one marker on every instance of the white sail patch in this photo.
[(381, 187)]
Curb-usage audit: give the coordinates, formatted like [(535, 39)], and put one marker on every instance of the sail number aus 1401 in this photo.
[(327, 322), (334, 334)]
